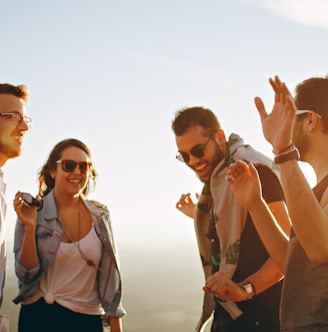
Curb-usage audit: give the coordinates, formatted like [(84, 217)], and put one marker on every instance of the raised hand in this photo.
[(245, 183), (186, 205), (278, 125), (26, 214)]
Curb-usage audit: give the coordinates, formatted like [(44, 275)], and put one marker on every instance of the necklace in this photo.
[(89, 261)]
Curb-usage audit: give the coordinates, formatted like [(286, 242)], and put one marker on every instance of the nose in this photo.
[(77, 169), (23, 125), (192, 160)]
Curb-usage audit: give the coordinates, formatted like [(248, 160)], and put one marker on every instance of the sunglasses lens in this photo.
[(197, 152), (184, 157), (83, 166), (69, 165)]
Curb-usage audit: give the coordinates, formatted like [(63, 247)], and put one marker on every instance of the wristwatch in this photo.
[(292, 154), (249, 289)]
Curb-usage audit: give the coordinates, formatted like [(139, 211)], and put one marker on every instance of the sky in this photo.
[(113, 74)]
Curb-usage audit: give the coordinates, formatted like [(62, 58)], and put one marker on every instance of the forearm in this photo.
[(267, 276), (28, 256), (116, 325), (273, 237), (309, 221)]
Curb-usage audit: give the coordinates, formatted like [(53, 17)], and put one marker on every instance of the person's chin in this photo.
[(204, 178), (14, 153), (17, 152)]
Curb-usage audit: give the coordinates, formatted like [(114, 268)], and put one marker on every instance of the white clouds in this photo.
[(309, 12)]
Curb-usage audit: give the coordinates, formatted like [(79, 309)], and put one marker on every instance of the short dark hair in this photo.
[(20, 91), (312, 94), (187, 118), (46, 182)]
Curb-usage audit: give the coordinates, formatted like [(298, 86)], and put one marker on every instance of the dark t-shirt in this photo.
[(304, 301), (265, 306)]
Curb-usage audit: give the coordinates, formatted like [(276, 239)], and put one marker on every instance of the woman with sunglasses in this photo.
[(65, 257)]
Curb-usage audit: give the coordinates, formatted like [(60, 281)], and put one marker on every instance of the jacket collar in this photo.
[(50, 210)]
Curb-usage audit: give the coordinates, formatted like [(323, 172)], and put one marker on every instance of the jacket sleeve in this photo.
[(23, 274)]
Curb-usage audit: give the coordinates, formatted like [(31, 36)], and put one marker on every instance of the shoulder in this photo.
[(266, 171), (271, 186), (99, 205)]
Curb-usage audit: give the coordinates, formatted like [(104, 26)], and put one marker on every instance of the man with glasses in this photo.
[(13, 126), (297, 129), (243, 284)]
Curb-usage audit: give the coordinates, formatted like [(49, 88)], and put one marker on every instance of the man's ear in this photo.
[(312, 121), (220, 137)]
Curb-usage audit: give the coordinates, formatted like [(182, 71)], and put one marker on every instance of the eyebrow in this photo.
[(195, 146)]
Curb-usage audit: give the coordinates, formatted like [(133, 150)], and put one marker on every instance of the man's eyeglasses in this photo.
[(17, 118), (197, 151), (299, 112), (69, 166)]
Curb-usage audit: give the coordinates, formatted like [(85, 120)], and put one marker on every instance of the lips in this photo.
[(75, 181), (18, 136), (202, 170)]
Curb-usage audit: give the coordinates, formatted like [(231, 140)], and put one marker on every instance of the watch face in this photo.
[(248, 288)]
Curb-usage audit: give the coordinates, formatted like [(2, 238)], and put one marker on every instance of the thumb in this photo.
[(260, 107), (253, 171)]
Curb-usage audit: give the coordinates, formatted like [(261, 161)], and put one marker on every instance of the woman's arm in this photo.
[(26, 250)]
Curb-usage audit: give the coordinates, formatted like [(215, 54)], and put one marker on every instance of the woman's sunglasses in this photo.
[(196, 151), (69, 166)]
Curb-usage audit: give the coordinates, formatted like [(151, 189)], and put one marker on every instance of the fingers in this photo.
[(276, 86), (260, 107), (240, 176), (253, 170), (230, 178), (237, 168), (217, 283), (18, 200), (291, 104), (282, 93), (285, 90), (184, 199)]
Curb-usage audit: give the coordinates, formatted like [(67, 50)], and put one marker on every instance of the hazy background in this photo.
[(113, 73)]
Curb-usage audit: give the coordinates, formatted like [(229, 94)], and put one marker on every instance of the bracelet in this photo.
[(293, 154), (289, 147)]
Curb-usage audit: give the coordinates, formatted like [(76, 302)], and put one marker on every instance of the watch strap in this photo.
[(293, 154)]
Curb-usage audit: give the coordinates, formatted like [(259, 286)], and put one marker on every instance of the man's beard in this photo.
[(301, 142), (10, 151), (219, 155)]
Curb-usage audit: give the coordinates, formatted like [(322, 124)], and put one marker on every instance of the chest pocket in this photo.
[(48, 240)]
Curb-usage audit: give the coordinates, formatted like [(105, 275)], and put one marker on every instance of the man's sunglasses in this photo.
[(69, 166), (196, 151), (299, 112)]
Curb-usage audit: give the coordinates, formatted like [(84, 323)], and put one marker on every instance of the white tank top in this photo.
[(70, 281)]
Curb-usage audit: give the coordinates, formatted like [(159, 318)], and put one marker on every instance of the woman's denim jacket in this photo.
[(49, 233)]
